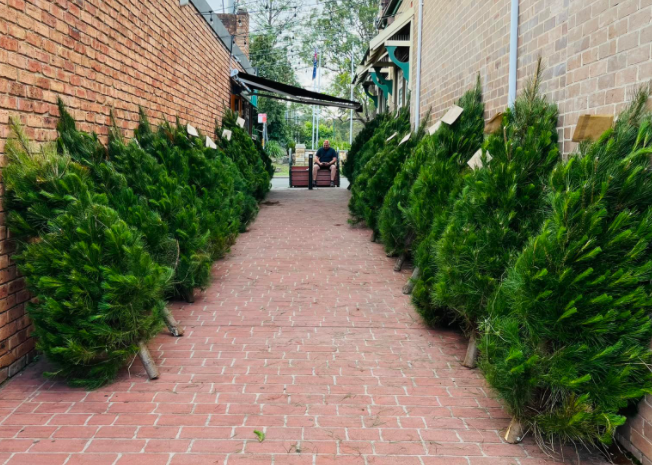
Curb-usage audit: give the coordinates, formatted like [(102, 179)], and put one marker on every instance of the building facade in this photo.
[(594, 52)]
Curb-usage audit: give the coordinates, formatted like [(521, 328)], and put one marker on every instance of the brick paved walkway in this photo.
[(313, 345)]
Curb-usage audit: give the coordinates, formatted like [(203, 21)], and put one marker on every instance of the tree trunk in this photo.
[(399, 262), (514, 433), (172, 323), (471, 359), (189, 295), (148, 361), (409, 286)]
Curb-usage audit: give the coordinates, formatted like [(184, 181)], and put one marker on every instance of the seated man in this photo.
[(325, 158)]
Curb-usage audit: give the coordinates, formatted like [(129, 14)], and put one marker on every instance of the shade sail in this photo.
[(277, 90)]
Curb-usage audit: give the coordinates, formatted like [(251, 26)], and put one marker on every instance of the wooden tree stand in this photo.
[(172, 323), (148, 361), (409, 286)]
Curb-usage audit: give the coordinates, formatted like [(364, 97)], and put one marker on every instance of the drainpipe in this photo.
[(417, 103), (513, 53)]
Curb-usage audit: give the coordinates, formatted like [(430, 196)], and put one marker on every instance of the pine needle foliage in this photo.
[(388, 126), (359, 141), (242, 150), (385, 161), (568, 344), (381, 181), (429, 177), (98, 291), (499, 208), (141, 162)]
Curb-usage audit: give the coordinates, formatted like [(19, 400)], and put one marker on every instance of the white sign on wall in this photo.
[(192, 131)]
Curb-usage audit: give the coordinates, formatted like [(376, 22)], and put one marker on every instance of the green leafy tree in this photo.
[(568, 343), (341, 30)]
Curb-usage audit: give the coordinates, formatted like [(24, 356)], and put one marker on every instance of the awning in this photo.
[(279, 91), (385, 49)]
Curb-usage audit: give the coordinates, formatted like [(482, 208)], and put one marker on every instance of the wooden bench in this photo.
[(300, 175)]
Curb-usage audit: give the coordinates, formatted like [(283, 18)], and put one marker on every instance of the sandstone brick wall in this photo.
[(98, 55), (595, 52)]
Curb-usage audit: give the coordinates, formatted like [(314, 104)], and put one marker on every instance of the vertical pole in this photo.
[(351, 115), (318, 90), (513, 53), (417, 103), (310, 171)]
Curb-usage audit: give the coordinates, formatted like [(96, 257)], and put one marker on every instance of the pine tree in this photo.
[(98, 291), (429, 176), (371, 162), (567, 346), (381, 181), (175, 201), (359, 141), (498, 210), (243, 152)]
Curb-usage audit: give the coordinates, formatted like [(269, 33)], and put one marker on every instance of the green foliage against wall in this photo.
[(104, 235), (499, 208), (567, 346)]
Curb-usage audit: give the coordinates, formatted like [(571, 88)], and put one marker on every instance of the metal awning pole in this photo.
[(351, 115)]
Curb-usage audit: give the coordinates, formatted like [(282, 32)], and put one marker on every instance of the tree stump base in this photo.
[(399, 263), (172, 323), (148, 361), (514, 433), (471, 359), (409, 286)]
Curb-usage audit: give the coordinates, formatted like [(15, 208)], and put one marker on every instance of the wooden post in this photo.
[(399, 262), (189, 295), (471, 359), (172, 323), (514, 433), (374, 236), (409, 286), (148, 361)]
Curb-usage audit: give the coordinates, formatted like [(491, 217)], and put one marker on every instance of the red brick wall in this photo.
[(98, 55), (238, 25)]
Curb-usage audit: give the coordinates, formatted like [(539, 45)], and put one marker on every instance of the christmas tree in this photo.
[(499, 208), (175, 201), (567, 346), (380, 182), (243, 152), (359, 141), (387, 142), (99, 293), (429, 177)]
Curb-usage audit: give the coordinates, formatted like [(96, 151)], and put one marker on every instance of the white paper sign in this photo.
[(405, 139), (210, 143), (434, 128), (452, 114), (226, 134), (476, 160), (392, 136), (240, 122), (192, 131)]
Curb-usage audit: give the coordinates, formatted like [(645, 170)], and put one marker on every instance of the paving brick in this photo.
[(266, 299)]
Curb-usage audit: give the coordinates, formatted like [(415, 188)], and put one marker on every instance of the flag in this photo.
[(314, 65)]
